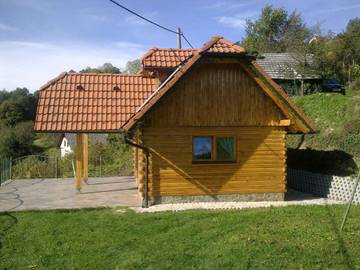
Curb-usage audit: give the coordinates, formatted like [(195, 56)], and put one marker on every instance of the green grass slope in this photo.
[(294, 237), (336, 148)]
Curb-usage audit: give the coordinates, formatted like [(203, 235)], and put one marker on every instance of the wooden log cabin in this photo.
[(206, 124)]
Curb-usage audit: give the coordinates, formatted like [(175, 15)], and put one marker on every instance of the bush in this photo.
[(32, 167), (335, 162), (355, 85)]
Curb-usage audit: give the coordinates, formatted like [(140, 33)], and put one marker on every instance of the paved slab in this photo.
[(35, 194)]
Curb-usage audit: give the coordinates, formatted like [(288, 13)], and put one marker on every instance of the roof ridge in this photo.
[(209, 44), (107, 74), (59, 77), (232, 44)]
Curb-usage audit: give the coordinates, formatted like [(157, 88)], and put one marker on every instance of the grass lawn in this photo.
[(296, 237)]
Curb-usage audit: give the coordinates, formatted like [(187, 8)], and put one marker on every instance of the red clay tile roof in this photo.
[(171, 58), (165, 58), (75, 102)]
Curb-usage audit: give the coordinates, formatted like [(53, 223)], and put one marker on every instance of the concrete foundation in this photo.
[(248, 197)]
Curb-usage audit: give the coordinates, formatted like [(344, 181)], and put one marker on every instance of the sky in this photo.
[(39, 39)]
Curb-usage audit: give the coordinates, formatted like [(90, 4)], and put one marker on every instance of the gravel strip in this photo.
[(232, 205)]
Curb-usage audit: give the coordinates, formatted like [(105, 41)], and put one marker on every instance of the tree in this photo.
[(275, 31), (17, 141), (132, 67), (16, 106), (338, 56), (105, 68)]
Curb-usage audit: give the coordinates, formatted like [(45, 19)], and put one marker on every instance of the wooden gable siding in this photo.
[(215, 94), (259, 167)]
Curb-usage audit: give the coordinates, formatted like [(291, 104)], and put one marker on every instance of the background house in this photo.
[(67, 142), (293, 72)]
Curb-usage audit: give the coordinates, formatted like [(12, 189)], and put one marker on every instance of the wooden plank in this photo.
[(79, 161), (85, 157), (285, 122)]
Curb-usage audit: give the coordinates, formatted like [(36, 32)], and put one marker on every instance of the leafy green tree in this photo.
[(18, 140), (16, 106), (132, 67), (105, 68), (338, 56), (275, 31)]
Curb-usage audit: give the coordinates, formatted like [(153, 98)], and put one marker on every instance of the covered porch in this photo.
[(42, 194)]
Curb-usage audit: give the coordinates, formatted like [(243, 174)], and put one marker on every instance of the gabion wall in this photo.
[(330, 186)]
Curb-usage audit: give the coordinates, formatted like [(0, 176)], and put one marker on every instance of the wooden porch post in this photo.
[(79, 160), (85, 150)]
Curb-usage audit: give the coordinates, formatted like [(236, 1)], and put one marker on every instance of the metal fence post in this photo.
[(100, 166), (350, 202), (1, 171), (56, 167), (10, 173)]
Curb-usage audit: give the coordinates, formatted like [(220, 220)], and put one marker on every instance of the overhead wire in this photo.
[(152, 22)]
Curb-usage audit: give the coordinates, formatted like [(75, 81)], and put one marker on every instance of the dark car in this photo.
[(333, 86)]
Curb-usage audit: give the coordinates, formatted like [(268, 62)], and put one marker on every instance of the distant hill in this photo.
[(336, 149)]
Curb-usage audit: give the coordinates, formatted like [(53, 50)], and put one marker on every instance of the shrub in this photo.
[(355, 85)]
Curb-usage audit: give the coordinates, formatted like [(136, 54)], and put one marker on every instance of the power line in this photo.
[(188, 42), (150, 21)]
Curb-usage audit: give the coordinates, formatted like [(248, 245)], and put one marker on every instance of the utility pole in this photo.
[(179, 37)]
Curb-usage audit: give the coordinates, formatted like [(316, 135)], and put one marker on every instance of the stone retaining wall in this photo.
[(330, 186), (248, 197)]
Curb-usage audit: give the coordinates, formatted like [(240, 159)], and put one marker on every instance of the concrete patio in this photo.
[(36, 194)]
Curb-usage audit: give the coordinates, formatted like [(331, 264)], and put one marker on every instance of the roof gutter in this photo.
[(146, 150)]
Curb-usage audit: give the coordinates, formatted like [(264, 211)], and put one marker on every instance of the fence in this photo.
[(330, 186), (42, 166), (5, 170)]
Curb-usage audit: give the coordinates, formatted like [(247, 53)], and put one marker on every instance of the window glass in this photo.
[(202, 148), (225, 148)]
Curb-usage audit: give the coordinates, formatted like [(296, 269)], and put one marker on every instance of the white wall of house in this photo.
[(65, 148)]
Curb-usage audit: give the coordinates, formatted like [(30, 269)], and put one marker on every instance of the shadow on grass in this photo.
[(12, 222), (334, 162), (336, 230)]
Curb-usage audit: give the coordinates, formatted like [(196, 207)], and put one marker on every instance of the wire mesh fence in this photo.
[(43, 166)]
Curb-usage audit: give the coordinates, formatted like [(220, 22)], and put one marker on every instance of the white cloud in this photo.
[(236, 21), (225, 5), (335, 9), (125, 44), (32, 64), (5, 27)]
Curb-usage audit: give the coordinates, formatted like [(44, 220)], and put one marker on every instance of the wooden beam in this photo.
[(285, 122), (85, 157), (79, 160)]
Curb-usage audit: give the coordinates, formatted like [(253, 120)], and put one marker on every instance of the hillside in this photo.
[(336, 148)]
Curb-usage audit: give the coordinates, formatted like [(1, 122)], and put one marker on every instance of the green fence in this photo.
[(5, 170), (42, 166)]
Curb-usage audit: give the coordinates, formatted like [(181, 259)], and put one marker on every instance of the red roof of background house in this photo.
[(171, 58), (165, 58), (76, 102)]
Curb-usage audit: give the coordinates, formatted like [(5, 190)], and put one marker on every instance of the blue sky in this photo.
[(41, 38)]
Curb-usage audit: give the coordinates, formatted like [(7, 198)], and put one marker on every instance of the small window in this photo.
[(225, 149), (202, 148), (213, 149)]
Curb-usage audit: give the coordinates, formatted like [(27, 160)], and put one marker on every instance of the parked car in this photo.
[(333, 86)]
